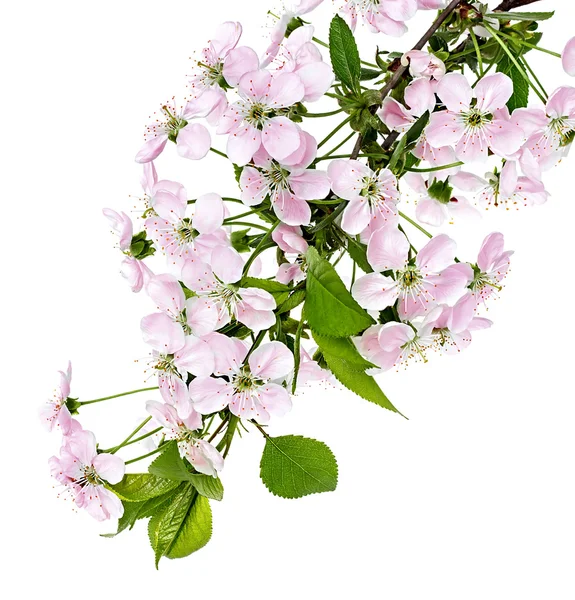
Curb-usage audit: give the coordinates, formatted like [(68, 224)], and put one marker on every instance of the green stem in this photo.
[(219, 428), (477, 51), (133, 460), (118, 395), (325, 114), (296, 354), (335, 148), (526, 64), (226, 442), (432, 169), (246, 224), (515, 62), (330, 135), (416, 225), (254, 211), (528, 45), (259, 248), (218, 152), (331, 217), (122, 444)]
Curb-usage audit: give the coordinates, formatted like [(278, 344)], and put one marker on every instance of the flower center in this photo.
[(90, 477), (278, 178), (244, 381), (409, 279), (165, 363), (258, 114), (563, 128), (475, 119), (173, 123), (185, 231)]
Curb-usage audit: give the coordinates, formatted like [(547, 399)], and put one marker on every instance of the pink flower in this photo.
[(180, 236), (247, 389), (372, 196), (290, 241), (288, 188), (254, 119), (298, 54), (218, 283), (201, 454), (420, 284), (568, 57), (309, 371), (84, 472), (437, 203), (474, 126), (384, 16), (122, 226), (55, 413), (193, 140), (423, 64), (491, 269)]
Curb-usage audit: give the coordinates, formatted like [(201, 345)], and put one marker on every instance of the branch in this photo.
[(507, 5)]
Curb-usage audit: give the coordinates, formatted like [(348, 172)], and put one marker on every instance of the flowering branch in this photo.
[(321, 277)]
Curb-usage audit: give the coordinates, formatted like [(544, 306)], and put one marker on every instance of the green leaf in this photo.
[(165, 526), (344, 54), (521, 16), (399, 150), (348, 367), (278, 290), (358, 253), (329, 307), (520, 96), (295, 299), (369, 74), (137, 487), (196, 530), (294, 466), (415, 131), (172, 466)]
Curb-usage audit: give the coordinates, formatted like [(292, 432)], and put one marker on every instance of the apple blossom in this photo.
[(568, 57)]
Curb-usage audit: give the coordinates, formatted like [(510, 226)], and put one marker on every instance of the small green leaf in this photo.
[(329, 307), (295, 299), (137, 487), (196, 530), (358, 253), (348, 367), (520, 96), (295, 466), (172, 466), (369, 74), (414, 132), (521, 16), (278, 290), (165, 526), (344, 54)]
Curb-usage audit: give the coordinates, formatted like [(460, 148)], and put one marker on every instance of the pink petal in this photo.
[(109, 467), (286, 89), (317, 78), (210, 395), (431, 212), (356, 216), (152, 149), (388, 248), (196, 357), (455, 92), (491, 248), (229, 353), (444, 129), (291, 210), (256, 85), (420, 97), (394, 335), (239, 62), (208, 213), (346, 178), (568, 57), (162, 333), (493, 92), (305, 154), (505, 137), (374, 291), (448, 285), (82, 445), (271, 361), (201, 315), (193, 141), (309, 184), (254, 186), (165, 290), (243, 144), (227, 264), (274, 399), (226, 38), (280, 137), (437, 254), (395, 115)]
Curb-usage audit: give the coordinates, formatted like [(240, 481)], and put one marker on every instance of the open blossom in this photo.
[(491, 269), (192, 140), (423, 64), (180, 236), (298, 54), (254, 121), (437, 203), (504, 188), (219, 283), (384, 16), (55, 413), (84, 472), (122, 226), (432, 278), (372, 195), (475, 120), (288, 188), (135, 272), (201, 454), (568, 57), (248, 388)]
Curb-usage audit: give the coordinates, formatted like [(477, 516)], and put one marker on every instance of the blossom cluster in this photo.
[(244, 314)]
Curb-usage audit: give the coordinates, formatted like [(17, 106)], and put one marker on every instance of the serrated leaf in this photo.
[(137, 487), (344, 54), (295, 299), (196, 530), (171, 466), (348, 367), (358, 253), (520, 96), (521, 16), (164, 527), (295, 466), (329, 307)]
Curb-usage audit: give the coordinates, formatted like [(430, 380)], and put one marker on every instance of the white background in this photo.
[(471, 498)]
